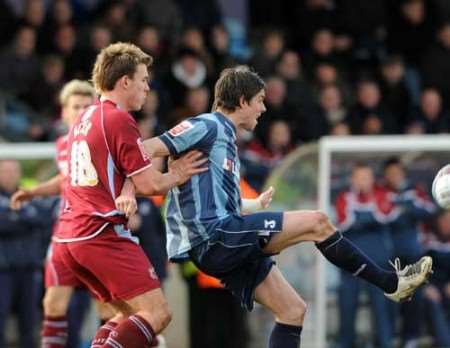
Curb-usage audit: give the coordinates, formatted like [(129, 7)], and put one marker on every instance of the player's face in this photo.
[(138, 88), (10, 174), (362, 179), (76, 104), (253, 110), (395, 176)]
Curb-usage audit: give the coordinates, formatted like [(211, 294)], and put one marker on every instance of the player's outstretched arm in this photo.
[(262, 202), (155, 147), (152, 182), (126, 202), (50, 187)]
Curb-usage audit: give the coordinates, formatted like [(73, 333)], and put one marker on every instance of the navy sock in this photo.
[(285, 336), (344, 254)]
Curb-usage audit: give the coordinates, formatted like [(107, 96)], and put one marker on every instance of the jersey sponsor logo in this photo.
[(270, 224), (141, 146), (181, 128), (229, 165)]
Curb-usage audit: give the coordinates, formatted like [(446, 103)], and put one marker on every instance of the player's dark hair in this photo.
[(115, 61), (233, 84), (392, 161)]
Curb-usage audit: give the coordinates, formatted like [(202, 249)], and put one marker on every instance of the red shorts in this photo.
[(56, 272), (112, 266)]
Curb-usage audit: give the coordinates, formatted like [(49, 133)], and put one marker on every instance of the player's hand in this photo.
[(265, 198), (188, 165), (19, 198), (126, 204)]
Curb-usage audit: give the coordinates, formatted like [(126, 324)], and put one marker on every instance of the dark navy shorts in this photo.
[(234, 253)]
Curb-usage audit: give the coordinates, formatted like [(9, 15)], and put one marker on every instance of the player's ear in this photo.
[(242, 102), (124, 81)]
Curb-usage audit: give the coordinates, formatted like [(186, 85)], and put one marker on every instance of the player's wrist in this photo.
[(251, 205), (33, 192), (259, 202), (178, 178)]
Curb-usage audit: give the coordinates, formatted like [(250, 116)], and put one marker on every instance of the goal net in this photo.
[(310, 178)]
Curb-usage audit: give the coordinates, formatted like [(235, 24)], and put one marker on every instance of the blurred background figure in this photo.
[(363, 212), (259, 158), (369, 115), (21, 258), (412, 207), (437, 293), (430, 116)]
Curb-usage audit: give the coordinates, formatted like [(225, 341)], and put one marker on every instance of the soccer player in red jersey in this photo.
[(60, 282), (105, 148)]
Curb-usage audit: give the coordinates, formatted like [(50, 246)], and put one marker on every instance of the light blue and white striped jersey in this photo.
[(196, 207)]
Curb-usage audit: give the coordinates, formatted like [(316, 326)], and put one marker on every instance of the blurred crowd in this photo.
[(331, 66), (338, 67)]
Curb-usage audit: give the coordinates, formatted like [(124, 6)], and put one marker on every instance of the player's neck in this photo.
[(233, 117), (116, 98)]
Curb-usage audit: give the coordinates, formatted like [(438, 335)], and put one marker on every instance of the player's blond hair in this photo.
[(115, 61), (76, 87)]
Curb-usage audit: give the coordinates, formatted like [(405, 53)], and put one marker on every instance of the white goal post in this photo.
[(332, 145)]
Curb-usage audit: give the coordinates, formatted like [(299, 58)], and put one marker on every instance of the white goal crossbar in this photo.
[(27, 151)]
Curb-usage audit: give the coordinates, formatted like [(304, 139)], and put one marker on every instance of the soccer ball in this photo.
[(441, 187)]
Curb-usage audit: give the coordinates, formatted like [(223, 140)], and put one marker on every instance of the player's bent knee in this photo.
[(323, 228), (165, 315), (295, 313), (159, 318)]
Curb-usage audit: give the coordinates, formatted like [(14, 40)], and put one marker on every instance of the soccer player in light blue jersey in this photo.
[(205, 220)]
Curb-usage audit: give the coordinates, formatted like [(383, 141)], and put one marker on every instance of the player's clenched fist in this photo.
[(127, 205)]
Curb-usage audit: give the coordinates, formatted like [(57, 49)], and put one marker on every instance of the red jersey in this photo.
[(376, 202), (61, 162), (61, 154), (104, 147)]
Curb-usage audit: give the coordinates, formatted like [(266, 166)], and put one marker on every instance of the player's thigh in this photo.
[(277, 295), (56, 299), (300, 226)]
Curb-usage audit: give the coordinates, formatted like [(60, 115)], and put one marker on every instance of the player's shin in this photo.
[(344, 254), (285, 336)]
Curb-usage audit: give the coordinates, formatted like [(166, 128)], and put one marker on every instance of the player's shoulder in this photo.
[(117, 114), (116, 118), (61, 140), (209, 117), (200, 123), (208, 120)]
